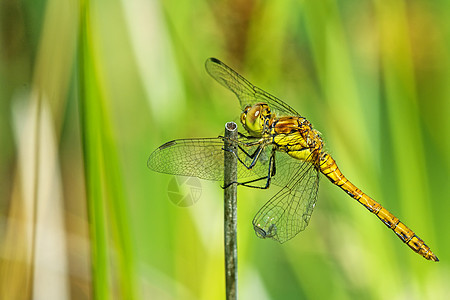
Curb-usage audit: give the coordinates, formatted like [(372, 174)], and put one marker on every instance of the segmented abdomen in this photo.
[(330, 169)]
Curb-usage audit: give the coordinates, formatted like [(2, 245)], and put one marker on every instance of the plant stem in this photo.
[(230, 211)]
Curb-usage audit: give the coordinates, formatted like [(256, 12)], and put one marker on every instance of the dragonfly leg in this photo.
[(254, 156), (241, 135), (248, 154), (247, 183), (270, 172), (256, 142)]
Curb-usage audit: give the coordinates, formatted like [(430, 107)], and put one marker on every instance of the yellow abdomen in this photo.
[(330, 169)]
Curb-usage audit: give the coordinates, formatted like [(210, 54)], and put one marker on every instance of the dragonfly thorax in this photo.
[(256, 119)]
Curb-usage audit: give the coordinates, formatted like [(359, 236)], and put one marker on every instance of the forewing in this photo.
[(204, 158), (289, 211), (247, 93)]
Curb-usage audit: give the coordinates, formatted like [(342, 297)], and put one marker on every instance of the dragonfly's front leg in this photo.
[(248, 137), (255, 156)]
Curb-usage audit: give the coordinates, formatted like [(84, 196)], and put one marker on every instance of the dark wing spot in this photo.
[(167, 145)]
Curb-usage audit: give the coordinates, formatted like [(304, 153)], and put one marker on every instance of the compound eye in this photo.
[(244, 114), (253, 113)]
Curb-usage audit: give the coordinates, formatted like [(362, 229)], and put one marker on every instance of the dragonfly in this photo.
[(280, 147)]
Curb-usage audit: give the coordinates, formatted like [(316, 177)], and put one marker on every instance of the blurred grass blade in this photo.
[(91, 150), (103, 183)]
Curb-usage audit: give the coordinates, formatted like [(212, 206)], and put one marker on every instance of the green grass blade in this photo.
[(92, 149), (105, 196)]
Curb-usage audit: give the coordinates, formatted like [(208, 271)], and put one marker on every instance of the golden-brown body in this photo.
[(278, 127)]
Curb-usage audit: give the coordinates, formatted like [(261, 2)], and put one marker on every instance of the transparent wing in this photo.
[(204, 158), (288, 212), (247, 93)]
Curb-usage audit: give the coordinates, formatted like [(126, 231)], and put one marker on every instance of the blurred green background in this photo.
[(90, 88)]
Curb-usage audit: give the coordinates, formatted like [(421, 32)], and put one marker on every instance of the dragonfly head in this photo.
[(256, 119)]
